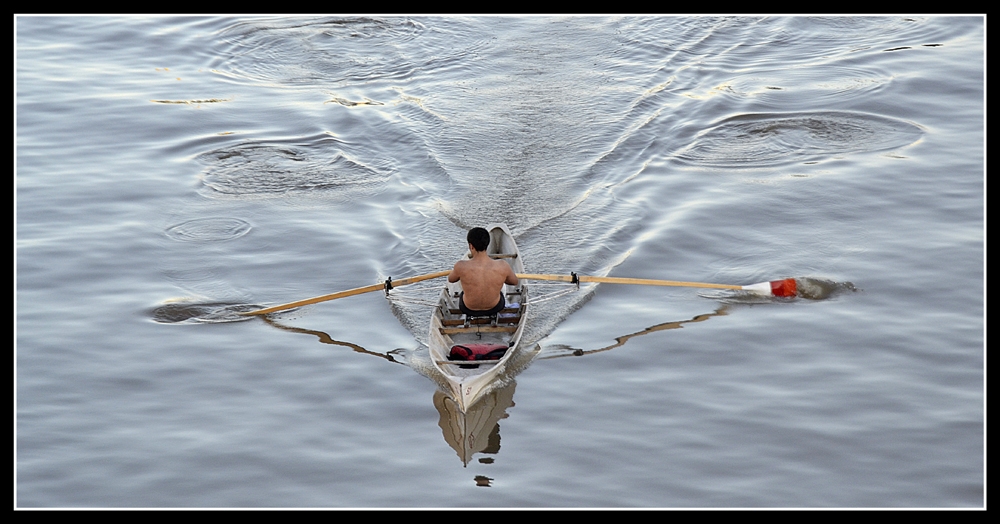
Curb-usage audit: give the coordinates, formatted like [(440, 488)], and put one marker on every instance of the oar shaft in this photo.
[(783, 288), (622, 280), (347, 293)]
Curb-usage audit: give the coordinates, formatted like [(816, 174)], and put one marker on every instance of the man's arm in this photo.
[(454, 275), (512, 279)]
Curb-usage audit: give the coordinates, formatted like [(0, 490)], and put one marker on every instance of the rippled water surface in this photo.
[(175, 172)]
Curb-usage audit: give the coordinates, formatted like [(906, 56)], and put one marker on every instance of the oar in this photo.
[(388, 284), (776, 288)]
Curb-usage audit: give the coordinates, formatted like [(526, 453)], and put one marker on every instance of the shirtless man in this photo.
[(482, 277)]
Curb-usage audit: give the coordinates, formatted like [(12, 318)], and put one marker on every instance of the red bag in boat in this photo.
[(477, 352)]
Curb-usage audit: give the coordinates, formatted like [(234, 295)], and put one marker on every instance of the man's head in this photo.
[(479, 238)]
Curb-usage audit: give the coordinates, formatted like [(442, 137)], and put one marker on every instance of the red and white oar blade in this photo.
[(775, 288)]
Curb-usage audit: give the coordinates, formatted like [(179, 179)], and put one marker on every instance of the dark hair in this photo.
[(479, 238)]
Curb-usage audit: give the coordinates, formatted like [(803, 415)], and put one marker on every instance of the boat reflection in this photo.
[(477, 431)]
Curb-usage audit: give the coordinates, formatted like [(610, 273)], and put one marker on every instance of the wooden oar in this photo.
[(348, 293), (777, 288)]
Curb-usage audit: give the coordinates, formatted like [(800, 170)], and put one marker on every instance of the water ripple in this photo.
[(348, 50), (266, 171), (216, 229), (770, 139)]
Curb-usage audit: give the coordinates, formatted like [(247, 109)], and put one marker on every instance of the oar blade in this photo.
[(784, 288), (776, 288)]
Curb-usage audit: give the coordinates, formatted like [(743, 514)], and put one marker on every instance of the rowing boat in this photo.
[(470, 379)]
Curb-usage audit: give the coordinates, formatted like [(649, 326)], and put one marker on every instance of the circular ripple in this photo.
[(307, 51), (799, 88), (208, 230), (269, 171), (765, 140)]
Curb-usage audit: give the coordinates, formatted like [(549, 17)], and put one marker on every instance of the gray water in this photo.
[(174, 171)]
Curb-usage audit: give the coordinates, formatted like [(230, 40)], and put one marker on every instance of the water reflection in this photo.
[(392, 356), (477, 431), (560, 351)]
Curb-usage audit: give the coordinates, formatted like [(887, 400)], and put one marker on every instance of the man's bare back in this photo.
[(482, 277)]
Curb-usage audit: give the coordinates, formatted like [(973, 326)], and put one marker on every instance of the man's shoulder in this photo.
[(502, 266), (463, 265)]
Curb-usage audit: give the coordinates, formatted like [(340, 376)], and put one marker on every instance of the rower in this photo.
[(482, 278)]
